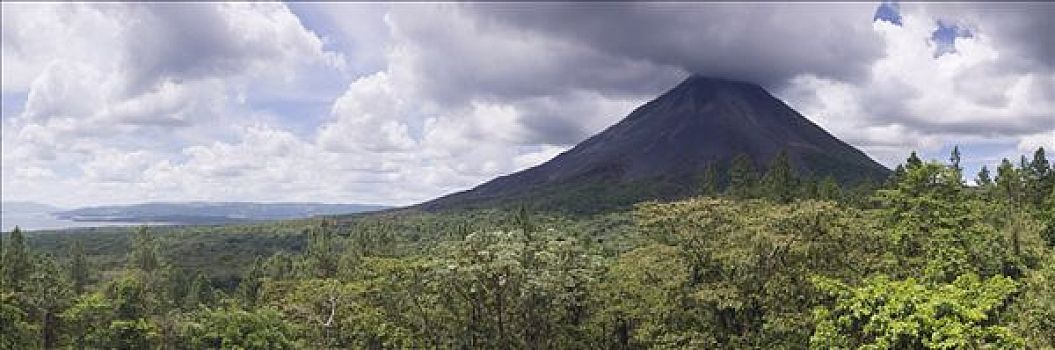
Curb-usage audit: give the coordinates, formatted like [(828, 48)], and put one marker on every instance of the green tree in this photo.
[(522, 220), (130, 297), (78, 268), (808, 188), (1035, 310), (249, 287), (899, 173), (506, 290), (645, 292), (829, 189), (709, 181), (913, 161), (175, 283), (1040, 178), (200, 292), (1048, 215), (936, 230), (279, 266), (1040, 165), (235, 328), (984, 180), (748, 263), (47, 293), (18, 330), (1009, 182), (779, 181), (145, 254), (130, 334), (742, 177), (88, 320), (907, 314), (954, 159), (321, 257), (17, 265)]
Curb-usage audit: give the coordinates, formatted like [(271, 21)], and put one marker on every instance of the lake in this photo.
[(46, 221)]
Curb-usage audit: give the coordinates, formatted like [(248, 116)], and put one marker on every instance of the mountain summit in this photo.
[(662, 147)]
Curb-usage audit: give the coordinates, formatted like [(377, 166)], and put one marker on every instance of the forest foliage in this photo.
[(760, 259)]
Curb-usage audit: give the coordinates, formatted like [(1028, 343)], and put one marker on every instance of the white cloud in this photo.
[(913, 101), (1030, 143), (369, 117), (134, 102), (113, 88), (109, 165), (135, 62), (531, 159)]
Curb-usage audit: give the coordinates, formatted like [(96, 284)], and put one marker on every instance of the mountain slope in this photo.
[(659, 150)]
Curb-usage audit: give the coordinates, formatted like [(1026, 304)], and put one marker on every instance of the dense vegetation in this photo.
[(756, 261)]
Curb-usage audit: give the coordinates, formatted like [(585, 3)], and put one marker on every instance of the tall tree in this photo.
[(17, 265), (17, 331), (49, 292), (321, 257), (742, 177), (279, 266), (829, 189), (954, 158), (913, 161), (1040, 165), (130, 297), (984, 179), (200, 292), (145, 251), (1040, 178), (1048, 214), (523, 221), (78, 268), (808, 188), (779, 181), (899, 173), (249, 287), (1008, 181), (709, 181)]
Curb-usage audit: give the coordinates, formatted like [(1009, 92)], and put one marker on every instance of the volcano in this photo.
[(663, 147)]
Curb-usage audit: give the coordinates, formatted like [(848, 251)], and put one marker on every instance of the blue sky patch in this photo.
[(888, 11), (944, 37)]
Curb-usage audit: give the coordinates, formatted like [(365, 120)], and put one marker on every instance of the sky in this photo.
[(111, 103)]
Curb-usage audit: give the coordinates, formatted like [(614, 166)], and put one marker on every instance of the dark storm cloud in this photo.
[(458, 55), (546, 59), (566, 120), (762, 43), (530, 55), (183, 42)]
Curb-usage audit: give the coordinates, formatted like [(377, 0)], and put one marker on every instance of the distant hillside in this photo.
[(27, 207), (661, 149), (211, 212)]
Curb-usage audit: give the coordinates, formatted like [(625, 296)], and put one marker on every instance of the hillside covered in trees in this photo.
[(760, 259)]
